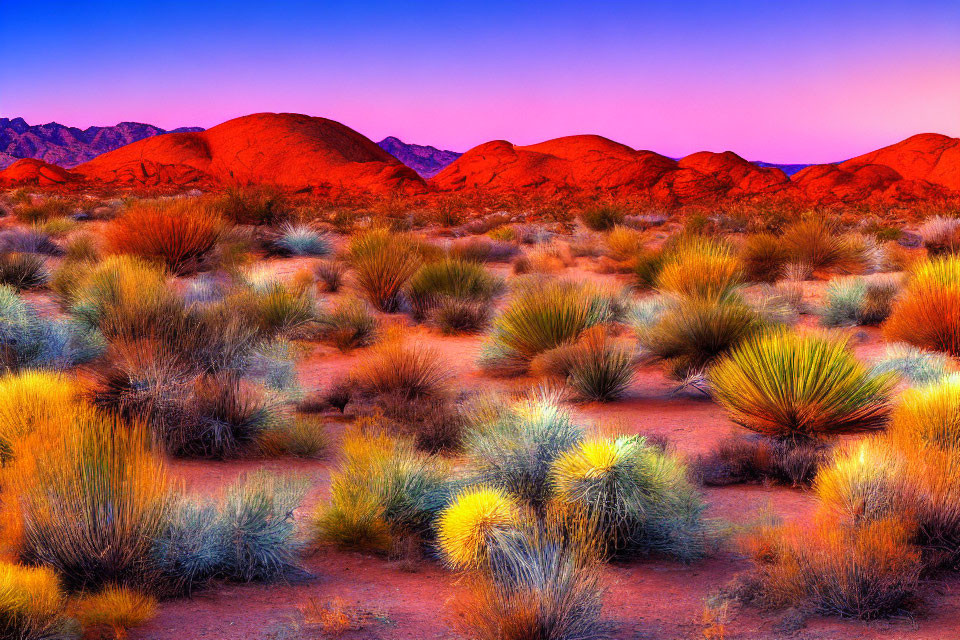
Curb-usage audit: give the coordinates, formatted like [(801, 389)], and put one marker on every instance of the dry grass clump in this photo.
[(623, 244), (542, 315), (940, 235), (301, 240), (330, 274), (740, 459), (116, 608), (914, 366), (302, 437), (32, 240), (792, 385), (821, 247), (382, 491), (31, 603), (927, 315), (466, 528), (690, 334), (697, 266), (481, 249), (602, 217), (37, 210), (859, 300), (545, 258), (383, 262), (399, 366), (543, 580), (180, 233), (263, 205), (275, 308), (28, 401), (764, 256), (596, 367), (438, 284), (348, 324), (638, 496), (87, 497), (23, 270)]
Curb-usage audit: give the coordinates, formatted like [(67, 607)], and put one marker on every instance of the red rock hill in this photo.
[(285, 149), (29, 171)]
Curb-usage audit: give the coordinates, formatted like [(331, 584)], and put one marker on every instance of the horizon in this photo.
[(782, 84)]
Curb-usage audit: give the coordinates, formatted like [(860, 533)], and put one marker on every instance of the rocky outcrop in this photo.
[(29, 171)]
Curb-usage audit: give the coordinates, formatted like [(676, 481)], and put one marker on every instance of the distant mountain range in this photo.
[(68, 146)]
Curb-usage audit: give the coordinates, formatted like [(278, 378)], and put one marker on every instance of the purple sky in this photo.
[(808, 81)]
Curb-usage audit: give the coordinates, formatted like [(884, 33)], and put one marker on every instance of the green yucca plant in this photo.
[(383, 262), (87, 497), (542, 315), (516, 446), (597, 367), (700, 267), (638, 496), (794, 385), (450, 278), (691, 333)]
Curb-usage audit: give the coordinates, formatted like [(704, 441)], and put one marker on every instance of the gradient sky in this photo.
[(804, 81)]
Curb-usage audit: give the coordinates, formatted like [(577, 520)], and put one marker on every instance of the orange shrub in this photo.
[(928, 314), (181, 233)]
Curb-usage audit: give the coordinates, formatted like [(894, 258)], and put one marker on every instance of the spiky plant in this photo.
[(597, 367), (397, 366), (467, 526), (794, 385), (698, 266), (181, 233), (301, 240), (601, 217), (764, 256), (259, 205), (623, 244), (23, 270), (638, 495), (691, 333), (460, 280), (542, 315), (927, 315), (349, 324), (383, 262), (330, 274), (32, 603), (940, 235), (859, 300), (515, 449), (275, 308), (88, 497)]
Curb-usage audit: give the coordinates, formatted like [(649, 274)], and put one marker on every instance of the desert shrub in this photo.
[(180, 233), (915, 366), (116, 608), (927, 315), (43, 209), (87, 497), (602, 217), (697, 266), (646, 267), (31, 603), (543, 580), (264, 205), (58, 227), (29, 400), (406, 368), (764, 256), (753, 458), (864, 572), (381, 491), (257, 515), (689, 334), (348, 324), (106, 285), (820, 246), (597, 367), (301, 240), (302, 437), (274, 307), (454, 315), (436, 282), (623, 243), (542, 315), (940, 235), (330, 273), (854, 300), (467, 526), (514, 448), (545, 258), (800, 385), (31, 240), (638, 495), (23, 270), (383, 262), (480, 249), (30, 340)]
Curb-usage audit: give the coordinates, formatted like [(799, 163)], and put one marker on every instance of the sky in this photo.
[(809, 81)]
